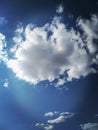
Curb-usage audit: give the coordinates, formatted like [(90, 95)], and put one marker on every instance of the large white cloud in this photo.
[(45, 53)]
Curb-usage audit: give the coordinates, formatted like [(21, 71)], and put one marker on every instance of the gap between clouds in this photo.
[(45, 53)]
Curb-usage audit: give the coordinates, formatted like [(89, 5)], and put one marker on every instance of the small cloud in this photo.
[(50, 114), (57, 120), (39, 124), (90, 126), (60, 82), (67, 114), (60, 9), (6, 83), (48, 127), (44, 126)]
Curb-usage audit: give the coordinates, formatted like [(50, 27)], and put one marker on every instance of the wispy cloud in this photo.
[(60, 9), (90, 28), (90, 126), (56, 118), (50, 114), (44, 126), (48, 127)]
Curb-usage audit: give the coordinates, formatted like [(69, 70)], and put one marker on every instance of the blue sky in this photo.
[(48, 65)]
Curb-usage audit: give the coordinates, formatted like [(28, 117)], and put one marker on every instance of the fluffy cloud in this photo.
[(45, 53), (90, 126)]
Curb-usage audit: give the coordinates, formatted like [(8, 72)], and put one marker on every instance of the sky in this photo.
[(48, 65)]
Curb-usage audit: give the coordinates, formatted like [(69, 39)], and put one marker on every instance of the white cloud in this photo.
[(67, 114), (90, 126), (6, 83), (45, 53), (60, 9), (60, 82), (48, 127), (50, 114), (39, 124), (90, 28), (59, 117), (2, 41), (57, 120), (3, 45), (44, 126)]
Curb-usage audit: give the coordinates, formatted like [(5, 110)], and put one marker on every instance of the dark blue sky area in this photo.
[(19, 10)]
